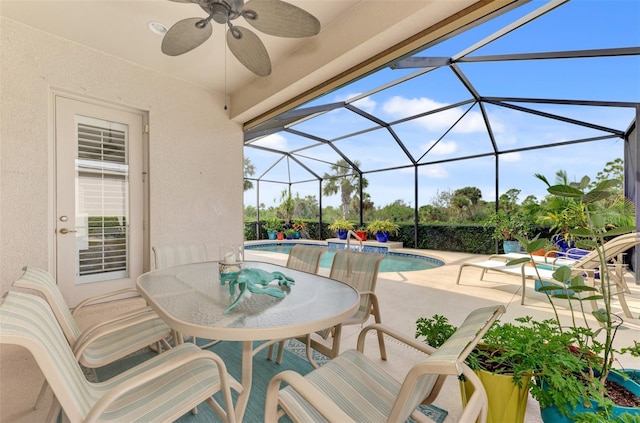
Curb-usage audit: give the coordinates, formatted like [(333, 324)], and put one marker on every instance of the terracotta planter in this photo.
[(539, 252), (362, 235), (280, 235)]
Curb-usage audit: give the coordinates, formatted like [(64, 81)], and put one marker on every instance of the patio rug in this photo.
[(294, 358)]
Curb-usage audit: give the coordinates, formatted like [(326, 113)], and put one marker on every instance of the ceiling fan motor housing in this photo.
[(222, 11)]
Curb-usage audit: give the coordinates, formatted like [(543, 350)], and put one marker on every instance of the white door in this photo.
[(99, 198)]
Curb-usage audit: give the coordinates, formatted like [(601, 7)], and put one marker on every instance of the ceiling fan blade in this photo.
[(282, 19), (249, 51), (184, 36)]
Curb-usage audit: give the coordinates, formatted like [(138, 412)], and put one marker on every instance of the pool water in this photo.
[(393, 262)]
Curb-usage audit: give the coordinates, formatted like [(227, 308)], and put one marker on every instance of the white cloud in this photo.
[(276, 141), (511, 157), (442, 148), (433, 171), (367, 104), (400, 107)]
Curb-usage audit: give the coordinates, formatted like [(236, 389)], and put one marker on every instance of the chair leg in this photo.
[(270, 352), (54, 411), (280, 352), (310, 351), (41, 395), (459, 274), (375, 310), (621, 289)]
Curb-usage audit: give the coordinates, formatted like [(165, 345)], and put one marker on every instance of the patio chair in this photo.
[(359, 270), (587, 264), (353, 388), (102, 343), (160, 389), (305, 258), (106, 341), (175, 255)]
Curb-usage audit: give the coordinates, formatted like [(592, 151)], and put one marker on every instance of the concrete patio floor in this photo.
[(404, 297)]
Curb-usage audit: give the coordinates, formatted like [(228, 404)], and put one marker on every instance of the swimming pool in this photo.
[(393, 262)]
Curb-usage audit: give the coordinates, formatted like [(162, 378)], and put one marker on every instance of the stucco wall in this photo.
[(195, 158)]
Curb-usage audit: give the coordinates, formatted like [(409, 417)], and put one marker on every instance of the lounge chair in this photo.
[(160, 389), (587, 264), (353, 388)]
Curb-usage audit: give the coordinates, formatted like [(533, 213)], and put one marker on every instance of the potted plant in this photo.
[(361, 232), (503, 360), (570, 391), (289, 233), (299, 227), (272, 226), (382, 228), (506, 226), (341, 227)]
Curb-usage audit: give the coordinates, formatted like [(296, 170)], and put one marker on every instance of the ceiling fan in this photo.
[(273, 17)]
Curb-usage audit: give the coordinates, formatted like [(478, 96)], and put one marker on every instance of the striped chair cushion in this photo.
[(305, 258), (170, 395), (109, 347), (175, 255), (350, 374)]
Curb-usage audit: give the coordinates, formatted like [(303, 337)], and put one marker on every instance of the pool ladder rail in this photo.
[(349, 234)]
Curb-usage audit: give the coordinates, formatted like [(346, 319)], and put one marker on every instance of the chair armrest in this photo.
[(102, 297), (193, 353), (420, 346), (306, 390)]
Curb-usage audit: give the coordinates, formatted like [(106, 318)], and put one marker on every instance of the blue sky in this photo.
[(576, 25)]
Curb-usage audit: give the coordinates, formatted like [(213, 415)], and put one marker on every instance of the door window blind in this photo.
[(102, 206)]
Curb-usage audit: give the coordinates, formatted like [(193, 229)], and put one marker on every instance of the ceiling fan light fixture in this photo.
[(157, 28)]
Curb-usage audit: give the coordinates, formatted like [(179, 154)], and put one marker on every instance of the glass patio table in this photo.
[(191, 300)]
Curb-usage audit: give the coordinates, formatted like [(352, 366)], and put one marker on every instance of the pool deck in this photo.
[(406, 296), (403, 296)]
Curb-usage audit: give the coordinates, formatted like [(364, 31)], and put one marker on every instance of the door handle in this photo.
[(66, 231)]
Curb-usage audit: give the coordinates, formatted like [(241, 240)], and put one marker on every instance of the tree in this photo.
[(345, 182), (307, 207), (398, 211), (430, 213), (249, 170), (464, 200), (508, 202), (442, 199)]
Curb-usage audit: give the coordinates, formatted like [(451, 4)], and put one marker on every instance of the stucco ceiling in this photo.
[(352, 31)]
